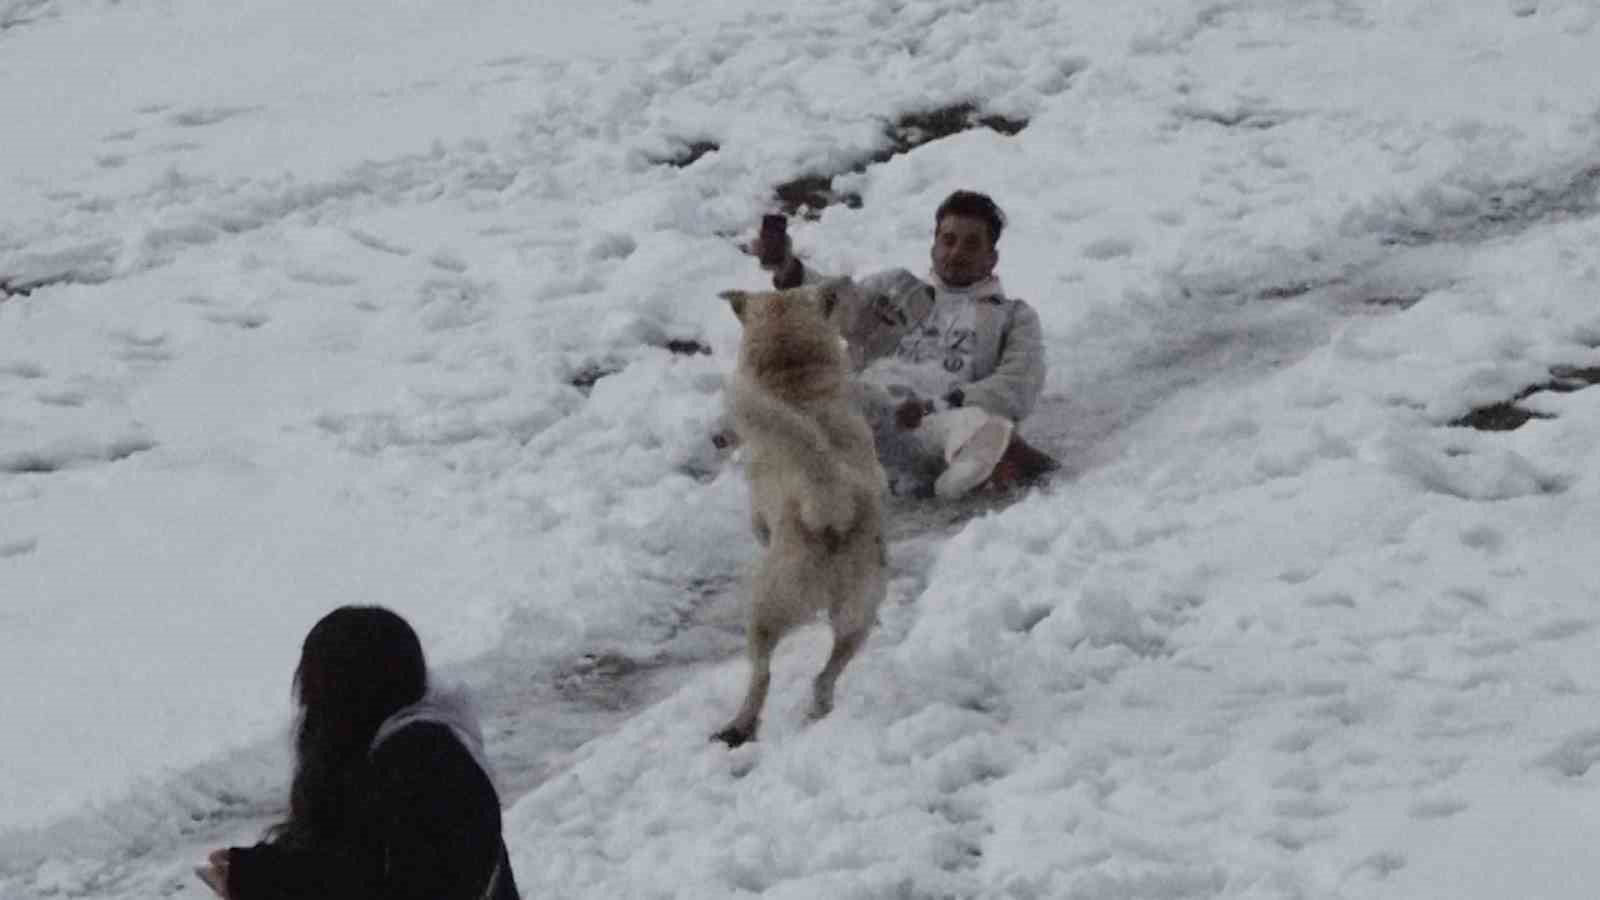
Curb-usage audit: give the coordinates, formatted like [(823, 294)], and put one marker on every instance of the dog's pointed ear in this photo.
[(737, 300), (829, 293)]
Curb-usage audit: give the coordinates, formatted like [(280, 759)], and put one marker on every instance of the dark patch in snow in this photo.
[(1573, 378), (1398, 301), (246, 320), (809, 194), (689, 154), (1509, 416), (585, 378), (28, 464), (201, 116), (687, 347), (1498, 417), (1254, 120), (1285, 291), (11, 286), (915, 129)]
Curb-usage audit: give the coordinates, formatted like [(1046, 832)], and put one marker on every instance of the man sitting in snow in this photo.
[(948, 366)]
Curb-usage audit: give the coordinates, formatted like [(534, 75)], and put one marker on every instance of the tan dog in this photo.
[(816, 488)]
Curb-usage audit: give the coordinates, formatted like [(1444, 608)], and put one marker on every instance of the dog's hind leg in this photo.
[(763, 638), (845, 645)]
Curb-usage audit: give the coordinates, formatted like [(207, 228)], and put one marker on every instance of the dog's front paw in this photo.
[(735, 735), (819, 514)]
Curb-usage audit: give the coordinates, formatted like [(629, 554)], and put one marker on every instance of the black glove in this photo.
[(908, 415)]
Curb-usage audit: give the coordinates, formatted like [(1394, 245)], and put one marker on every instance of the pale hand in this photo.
[(215, 875)]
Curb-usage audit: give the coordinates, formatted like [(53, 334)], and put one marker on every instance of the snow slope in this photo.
[(315, 297)]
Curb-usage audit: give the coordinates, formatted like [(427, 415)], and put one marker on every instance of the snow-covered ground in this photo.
[(302, 296)]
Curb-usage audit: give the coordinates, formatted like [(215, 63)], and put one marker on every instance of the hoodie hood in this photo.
[(984, 289), (448, 706)]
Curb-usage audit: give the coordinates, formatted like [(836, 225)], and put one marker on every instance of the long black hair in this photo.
[(358, 666)]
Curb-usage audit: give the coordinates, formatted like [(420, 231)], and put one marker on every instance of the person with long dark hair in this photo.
[(391, 796)]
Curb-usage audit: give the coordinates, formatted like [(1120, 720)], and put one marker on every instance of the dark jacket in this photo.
[(424, 825)]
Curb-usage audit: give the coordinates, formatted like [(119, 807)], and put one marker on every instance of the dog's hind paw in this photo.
[(735, 735)]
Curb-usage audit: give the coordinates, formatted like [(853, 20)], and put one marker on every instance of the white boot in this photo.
[(974, 441)]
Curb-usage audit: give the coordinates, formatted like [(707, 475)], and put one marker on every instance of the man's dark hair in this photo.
[(973, 205)]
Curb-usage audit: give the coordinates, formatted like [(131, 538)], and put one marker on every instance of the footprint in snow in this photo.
[(19, 547), (24, 370), (1296, 576), (175, 147), (1296, 741), (142, 348), (322, 277), (1382, 865), (1575, 755), (1481, 678), (1340, 710), (1483, 537), (1307, 808), (1303, 779), (201, 116), (238, 319), (448, 261), (1294, 839), (374, 242), (1437, 808), (1323, 689), (72, 453), (1487, 648), (1561, 629), (64, 398), (1333, 599), (1108, 248)]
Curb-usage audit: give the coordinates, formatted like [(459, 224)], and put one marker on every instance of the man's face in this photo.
[(963, 252)]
